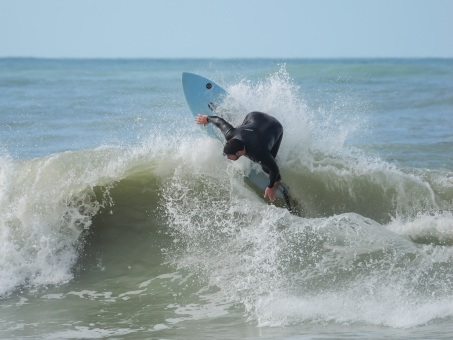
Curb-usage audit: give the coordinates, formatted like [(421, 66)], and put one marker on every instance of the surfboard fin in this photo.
[(290, 204), (212, 107)]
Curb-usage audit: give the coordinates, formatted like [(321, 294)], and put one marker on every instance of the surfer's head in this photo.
[(234, 149)]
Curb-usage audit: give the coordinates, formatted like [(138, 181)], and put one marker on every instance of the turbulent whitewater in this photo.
[(119, 217)]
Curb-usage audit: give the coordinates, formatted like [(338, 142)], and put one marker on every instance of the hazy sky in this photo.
[(226, 28)]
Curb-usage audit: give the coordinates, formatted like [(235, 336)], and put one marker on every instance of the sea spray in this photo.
[(285, 269), (326, 174), (181, 246)]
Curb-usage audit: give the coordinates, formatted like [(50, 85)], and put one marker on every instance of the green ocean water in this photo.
[(120, 218)]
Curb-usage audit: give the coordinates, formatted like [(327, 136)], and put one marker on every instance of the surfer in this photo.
[(257, 138)]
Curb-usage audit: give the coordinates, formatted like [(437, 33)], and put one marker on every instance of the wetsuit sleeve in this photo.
[(274, 173), (222, 124)]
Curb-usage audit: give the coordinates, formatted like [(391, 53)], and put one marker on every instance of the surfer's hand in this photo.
[(271, 193), (201, 119)]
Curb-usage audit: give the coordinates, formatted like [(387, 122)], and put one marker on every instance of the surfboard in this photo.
[(205, 96)]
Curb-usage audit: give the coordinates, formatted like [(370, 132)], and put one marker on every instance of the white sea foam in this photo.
[(285, 269), (351, 259), (46, 204)]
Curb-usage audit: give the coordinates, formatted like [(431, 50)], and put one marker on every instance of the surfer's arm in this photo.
[(221, 123), (270, 167)]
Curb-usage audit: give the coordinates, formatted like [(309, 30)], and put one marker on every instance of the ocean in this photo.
[(120, 218)]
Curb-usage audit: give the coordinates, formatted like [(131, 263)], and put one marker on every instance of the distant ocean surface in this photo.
[(120, 218)]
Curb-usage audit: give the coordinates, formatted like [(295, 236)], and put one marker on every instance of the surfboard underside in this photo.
[(203, 96)]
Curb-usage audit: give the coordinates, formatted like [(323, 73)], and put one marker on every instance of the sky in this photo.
[(226, 28)]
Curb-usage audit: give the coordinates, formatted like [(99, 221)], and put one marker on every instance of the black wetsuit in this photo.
[(261, 134)]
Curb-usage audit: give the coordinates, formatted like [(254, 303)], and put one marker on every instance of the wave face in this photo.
[(371, 243)]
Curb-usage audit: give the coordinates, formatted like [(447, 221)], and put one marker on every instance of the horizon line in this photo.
[(223, 58)]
